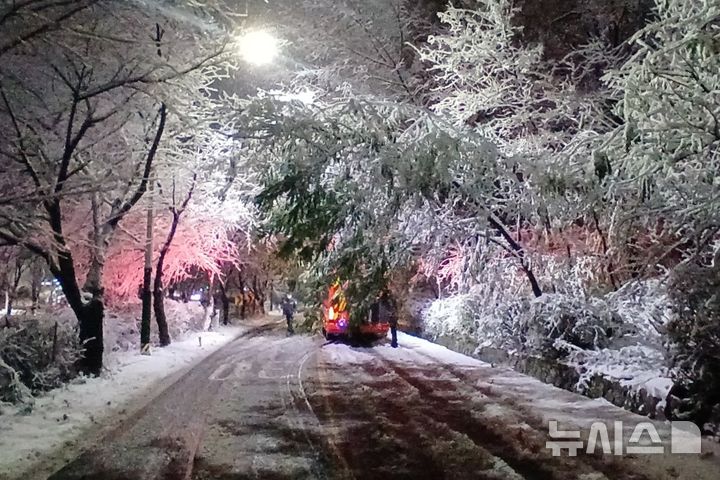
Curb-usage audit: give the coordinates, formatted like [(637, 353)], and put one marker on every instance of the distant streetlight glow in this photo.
[(258, 47)]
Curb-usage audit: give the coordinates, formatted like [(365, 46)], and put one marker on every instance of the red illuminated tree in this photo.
[(84, 116)]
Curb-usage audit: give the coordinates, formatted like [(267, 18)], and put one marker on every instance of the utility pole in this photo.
[(147, 273)]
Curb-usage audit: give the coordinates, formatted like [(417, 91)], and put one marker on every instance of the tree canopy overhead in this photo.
[(461, 145)]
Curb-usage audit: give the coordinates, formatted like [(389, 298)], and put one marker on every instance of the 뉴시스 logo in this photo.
[(643, 439)]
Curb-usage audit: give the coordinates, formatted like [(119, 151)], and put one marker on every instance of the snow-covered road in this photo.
[(269, 406)]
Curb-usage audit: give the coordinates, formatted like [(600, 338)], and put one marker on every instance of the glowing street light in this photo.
[(258, 47)]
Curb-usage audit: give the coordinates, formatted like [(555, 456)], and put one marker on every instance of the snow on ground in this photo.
[(549, 401), (61, 416), (428, 352), (540, 399), (343, 354)]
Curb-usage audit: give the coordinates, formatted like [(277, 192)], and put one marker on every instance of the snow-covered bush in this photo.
[(695, 336), (615, 344), (122, 323), (450, 316), (469, 317), (572, 277), (633, 366), (551, 326), (35, 357), (556, 324), (39, 354), (486, 313), (645, 309)]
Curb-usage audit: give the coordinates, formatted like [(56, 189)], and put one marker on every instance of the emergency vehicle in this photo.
[(336, 317)]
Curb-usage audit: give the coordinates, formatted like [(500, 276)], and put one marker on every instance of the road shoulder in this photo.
[(65, 421)]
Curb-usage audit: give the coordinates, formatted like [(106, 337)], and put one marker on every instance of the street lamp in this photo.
[(258, 47)]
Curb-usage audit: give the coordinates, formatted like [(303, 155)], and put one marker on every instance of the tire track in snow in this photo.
[(382, 436), (538, 462), (161, 439)]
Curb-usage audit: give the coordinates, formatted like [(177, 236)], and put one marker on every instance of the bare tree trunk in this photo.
[(161, 318), (519, 252), (207, 304), (215, 317), (34, 300), (89, 313), (91, 334), (610, 268), (225, 304), (37, 272), (11, 292), (259, 288), (158, 290), (243, 305), (88, 309)]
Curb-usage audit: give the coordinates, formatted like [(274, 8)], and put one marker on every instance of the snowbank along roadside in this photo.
[(59, 418)]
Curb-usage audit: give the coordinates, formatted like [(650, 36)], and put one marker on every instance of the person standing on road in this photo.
[(392, 320), (388, 311), (288, 308)]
